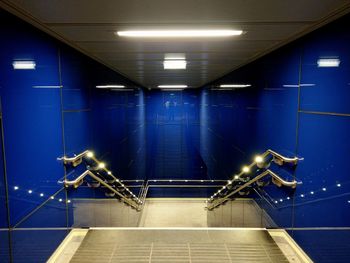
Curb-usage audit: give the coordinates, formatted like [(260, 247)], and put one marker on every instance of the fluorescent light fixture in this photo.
[(235, 85), (24, 64), (174, 64), (171, 90), (179, 33), (172, 86), (122, 89), (175, 56), (110, 86), (328, 62)]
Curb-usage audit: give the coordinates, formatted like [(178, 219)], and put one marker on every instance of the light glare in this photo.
[(172, 86), (110, 86), (328, 62), (24, 64), (259, 159), (174, 64), (101, 165), (245, 169), (179, 33), (235, 85)]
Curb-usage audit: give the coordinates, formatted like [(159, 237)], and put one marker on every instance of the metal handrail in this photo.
[(76, 160), (280, 181), (292, 160), (77, 182)]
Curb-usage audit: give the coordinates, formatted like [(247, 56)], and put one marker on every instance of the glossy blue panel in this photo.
[(31, 117), (173, 137), (76, 80), (326, 89), (324, 142), (5, 246), (3, 196), (35, 245), (324, 245)]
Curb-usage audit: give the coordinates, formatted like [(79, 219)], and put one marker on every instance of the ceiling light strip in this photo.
[(179, 33)]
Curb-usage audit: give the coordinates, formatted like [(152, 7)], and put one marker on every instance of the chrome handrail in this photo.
[(76, 160), (76, 182), (280, 181), (293, 160)]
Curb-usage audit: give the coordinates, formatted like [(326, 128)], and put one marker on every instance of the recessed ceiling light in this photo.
[(235, 85), (328, 62), (172, 86), (110, 86), (174, 64), (174, 56), (179, 33), (24, 64)]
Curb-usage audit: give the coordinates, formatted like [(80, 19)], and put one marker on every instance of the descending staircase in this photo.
[(187, 243), (164, 245)]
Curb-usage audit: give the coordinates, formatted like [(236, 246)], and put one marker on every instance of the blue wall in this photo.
[(293, 107), (46, 113), (298, 109)]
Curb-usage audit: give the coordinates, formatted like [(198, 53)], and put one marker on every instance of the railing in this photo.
[(261, 162), (111, 184)]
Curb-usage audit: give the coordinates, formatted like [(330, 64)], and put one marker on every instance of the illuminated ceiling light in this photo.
[(41, 194), (30, 191), (60, 200), (172, 90), (236, 177), (229, 182), (235, 85), (15, 188), (179, 33), (109, 172), (324, 189), (281, 200), (174, 56), (90, 154), (245, 169), (259, 159), (312, 192), (110, 86), (302, 195), (52, 197), (288, 198), (24, 64), (68, 201), (328, 62), (172, 86), (101, 165), (338, 185), (174, 64)]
